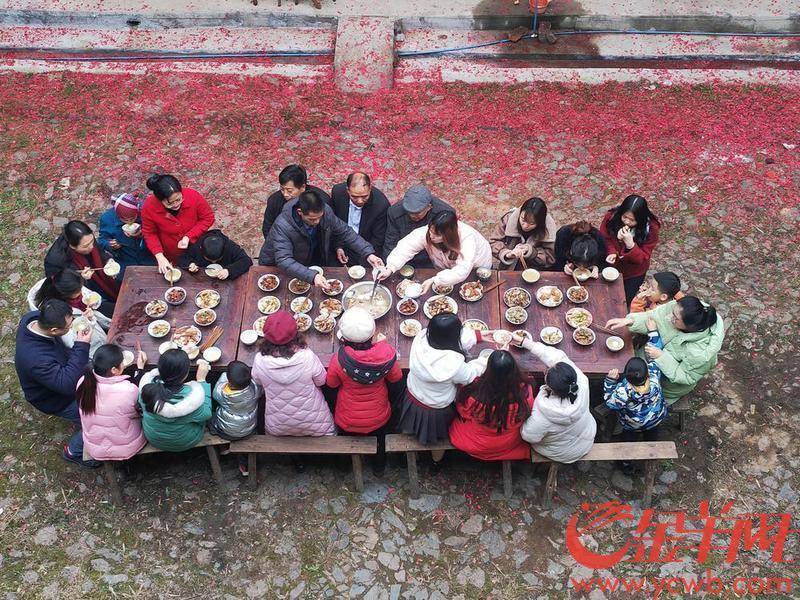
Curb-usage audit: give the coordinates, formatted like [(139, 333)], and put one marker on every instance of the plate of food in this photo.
[(410, 327), (615, 343), (331, 306), (471, 291), (207, 299), (335, 287), (172, 275), (175, 295), (531, 275), (205, 316), (360, 294), (577, 294), (407, 307), (442, 289), (92, 299), (324, 323), (213, 270), (519, 337), (298, 286), (476, 325), (187, 335), (551, 335), (155, 309), (301, 304), (269, 282), (517, 296), (356, 272), (583, 336), (168, 345), (516, 315), (578, 317), (582, 273), (437, 305), (269, 304), (158, 329), (303, 322), (258, 326), (408, 288), (549, 295), (501, 337)]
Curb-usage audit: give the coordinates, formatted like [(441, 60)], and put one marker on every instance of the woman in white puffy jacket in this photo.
[(560, 426), (67, 285)]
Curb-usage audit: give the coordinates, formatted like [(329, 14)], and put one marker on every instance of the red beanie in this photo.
[(280, 328), (126, 207)]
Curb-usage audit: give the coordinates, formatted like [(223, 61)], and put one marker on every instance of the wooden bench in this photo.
[(411, 446), (680, 408), (649, 452), (209, 442), (329, 444)]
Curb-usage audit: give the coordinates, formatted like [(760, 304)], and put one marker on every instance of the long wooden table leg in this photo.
[(550, 486), (649, 481), (358, 472), (111, 476), (507, 482), (213, 458), (251, 468), (413, 477)]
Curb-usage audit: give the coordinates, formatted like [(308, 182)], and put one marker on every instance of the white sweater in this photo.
[(557, 428), (434, 374), (475, 253)]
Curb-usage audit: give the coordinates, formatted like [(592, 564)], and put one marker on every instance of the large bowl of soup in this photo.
[(359, 294)]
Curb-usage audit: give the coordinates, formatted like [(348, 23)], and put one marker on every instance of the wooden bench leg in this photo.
[(213, 458), (111, 476), (507, 483), (251, 469), (413, 477), (681, 420), (550, 486), (358, 472), (649, 481)]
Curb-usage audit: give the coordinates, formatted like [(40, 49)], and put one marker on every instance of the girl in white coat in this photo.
[(453, 246), (560, 426)]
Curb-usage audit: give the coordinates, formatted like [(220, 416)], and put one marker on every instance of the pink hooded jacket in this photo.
[(294, 403), (114, 430)]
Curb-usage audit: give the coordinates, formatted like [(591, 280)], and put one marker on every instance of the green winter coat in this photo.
[(686, 357), (182, 421)]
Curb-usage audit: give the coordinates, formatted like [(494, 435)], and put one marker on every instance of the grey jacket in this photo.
[(287, 245), (398, 226), (235, 412)]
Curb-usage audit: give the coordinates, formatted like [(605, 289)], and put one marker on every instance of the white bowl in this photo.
[(356, 272), (168, 345), (615, 343), (248, 337), (317, 269), (131, 228), (92, 299), (212, 354), (212, 269), (412, 322), (112, 268), (531, 275), (501, 336), (192, 350), (610, 274), (404, 300), (174, 276), (127, 358)]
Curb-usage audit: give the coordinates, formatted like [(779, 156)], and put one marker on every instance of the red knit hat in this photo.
[(280, 328), (126, 207)]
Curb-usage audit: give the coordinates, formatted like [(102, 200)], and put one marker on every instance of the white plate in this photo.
[(472, 299), (569, 315), (212, 311), (501, 336), (518, 291), (127, 358), (173, 276), (168, 345), (412, 323), (181, 301), (580, 329), (258, 326), (154, 324), (516, 308), (573, 289), (262, 305), (426, 308), (262, 282), (549, 303), (475, 325), (213, 296), (301, 304), (413, 302), (547, 331)]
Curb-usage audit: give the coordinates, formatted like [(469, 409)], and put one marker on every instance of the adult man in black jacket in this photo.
[(293, 180), (363, 208)]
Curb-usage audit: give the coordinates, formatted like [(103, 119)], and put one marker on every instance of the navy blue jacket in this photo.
[(48, 371), (133, 250)]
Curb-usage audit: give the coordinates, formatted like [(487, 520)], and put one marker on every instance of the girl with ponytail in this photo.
[(107, 401)]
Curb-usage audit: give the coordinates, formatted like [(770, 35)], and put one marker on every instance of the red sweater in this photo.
[(470, 435), (633, 262), (363, 407), (162, 231)]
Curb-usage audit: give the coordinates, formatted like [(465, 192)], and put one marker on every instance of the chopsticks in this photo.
[(493, 286), (216, 333), (604, 329), (522, 260)]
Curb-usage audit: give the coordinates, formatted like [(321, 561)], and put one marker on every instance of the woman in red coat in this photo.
[(491, 411), (173, 218), (631, 234), (360, 369)]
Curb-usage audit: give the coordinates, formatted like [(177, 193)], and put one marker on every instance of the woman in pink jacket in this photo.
[(107, 400), (291, 375)]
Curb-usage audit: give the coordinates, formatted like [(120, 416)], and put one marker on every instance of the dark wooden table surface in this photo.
[(143, 284), (606, 300)]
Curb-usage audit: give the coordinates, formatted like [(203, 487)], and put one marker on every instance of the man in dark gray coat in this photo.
[(417, 209), (304, 234)]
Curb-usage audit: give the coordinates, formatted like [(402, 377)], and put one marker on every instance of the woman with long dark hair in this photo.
[(526, 233), (491, 411), (107, 401), (453, 246), (631, 234), (579, 245)]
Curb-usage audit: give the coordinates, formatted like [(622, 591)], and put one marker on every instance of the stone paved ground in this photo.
[(720, 165)]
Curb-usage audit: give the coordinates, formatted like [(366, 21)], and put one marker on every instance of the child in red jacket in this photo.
[(360, 369)]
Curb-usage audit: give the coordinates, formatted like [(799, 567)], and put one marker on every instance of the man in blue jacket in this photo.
[(48, 371)]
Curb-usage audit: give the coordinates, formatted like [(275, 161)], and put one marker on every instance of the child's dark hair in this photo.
[(212, 246), (584, 251), (105, 358), (53, 314), (163, 186), (238, 375), (562, 379), (61, 286), (173, 369), (696, 315), (444, 333), (636, 371), (668, 282)]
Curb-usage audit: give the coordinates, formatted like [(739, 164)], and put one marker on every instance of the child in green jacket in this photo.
[(175, 412)]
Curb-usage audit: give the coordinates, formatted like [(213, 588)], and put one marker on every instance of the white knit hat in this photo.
[(356, 325)]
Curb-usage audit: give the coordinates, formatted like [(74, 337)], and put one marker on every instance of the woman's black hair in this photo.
[(537, 208), (641, 212), (636, 371), (105, 358), (212, 247), (61, 286), (239, 375), (696, 315), (295, 173), (163, 186), (74, 231), (444, 333), (53, 314), (501, 387), (668, 282), (173, 369), (584, 251), (562, 379)]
